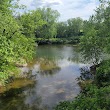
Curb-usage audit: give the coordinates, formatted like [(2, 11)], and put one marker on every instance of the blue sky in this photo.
[(66, 8)]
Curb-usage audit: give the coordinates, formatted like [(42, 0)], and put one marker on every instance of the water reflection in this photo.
[(68, 52), (17, 99), (57, 68)]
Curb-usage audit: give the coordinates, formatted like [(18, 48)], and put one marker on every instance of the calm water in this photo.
[(56, 69)]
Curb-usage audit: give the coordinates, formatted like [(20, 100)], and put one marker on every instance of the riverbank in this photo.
[(15, 85), (74, 40)]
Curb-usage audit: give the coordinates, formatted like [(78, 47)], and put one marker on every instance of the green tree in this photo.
[(90, 44), (74, 26), (30, 21), (14, 46), (49, 29), (5, 5), (61, 29)]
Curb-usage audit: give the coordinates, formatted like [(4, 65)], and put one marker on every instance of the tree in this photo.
[(14, 46), (96, 39), (61, 29), (30, 22), (103, 14), (90, 43), (49, 29), (5, 5), (74, 26)]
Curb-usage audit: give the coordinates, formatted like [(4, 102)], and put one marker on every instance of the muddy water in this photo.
[(54, 70)]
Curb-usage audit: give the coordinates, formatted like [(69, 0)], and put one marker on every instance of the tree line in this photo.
[(43, 24)]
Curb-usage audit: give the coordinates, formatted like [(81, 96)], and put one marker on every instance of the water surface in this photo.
[(56, 69)]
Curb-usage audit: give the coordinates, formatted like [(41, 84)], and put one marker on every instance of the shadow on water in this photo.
[(56, 69)]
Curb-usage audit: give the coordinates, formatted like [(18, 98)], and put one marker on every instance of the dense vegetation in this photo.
[(95, 82), (16, 44), (11, 42), (69, 31)]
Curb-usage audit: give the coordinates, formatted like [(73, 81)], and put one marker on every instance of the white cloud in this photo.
[(67, 8), (24, 2), (39, 3), (76, 8)]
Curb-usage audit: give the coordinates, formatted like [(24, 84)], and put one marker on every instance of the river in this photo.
[(56, 68)]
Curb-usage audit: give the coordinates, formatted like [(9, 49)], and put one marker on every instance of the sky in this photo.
[(67, 8)]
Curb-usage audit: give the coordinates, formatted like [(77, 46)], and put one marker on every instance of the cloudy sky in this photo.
[(66, 8)]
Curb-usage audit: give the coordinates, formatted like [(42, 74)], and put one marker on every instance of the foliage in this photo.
[(49, 29), (92, 45), (62, 29), (5, 5), (94, 99), (102, 77), (13, 44), (70, 29), (74, 26), (30, 22), (96, 38)]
